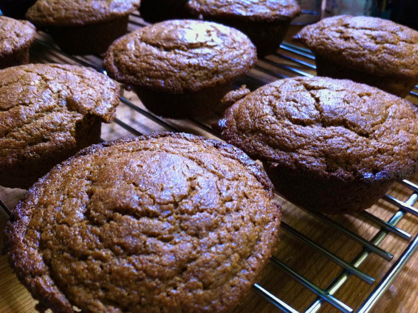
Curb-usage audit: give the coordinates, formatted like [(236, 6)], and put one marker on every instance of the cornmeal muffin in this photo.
[(15, 8), (181, 68), (164, 223), (83, 27), (328, 145), (160, 10), (367, 50), (16, 37), (47, 114), (265, 22)]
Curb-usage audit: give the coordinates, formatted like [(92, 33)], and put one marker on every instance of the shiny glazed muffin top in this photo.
[(40, 106), (179, 55), (372, 45), (250, 10), (328, 127), (163, 223), (15, 35), (78, 12)]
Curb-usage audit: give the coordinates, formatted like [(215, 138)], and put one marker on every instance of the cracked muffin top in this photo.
[(335, 127), (179, 55), (162, 223), (15, 35), (253, 10), (78, 12), (369, 44), (40, 106)]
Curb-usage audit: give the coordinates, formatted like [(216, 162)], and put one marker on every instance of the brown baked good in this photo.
[(83, 27), (48, 113), (15, 8), (16, 37), (163, 223), (367, 50), (328, 145), (265, 22), (181, 68), (154, 11)]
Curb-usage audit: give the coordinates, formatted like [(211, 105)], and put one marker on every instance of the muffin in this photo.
[(265, 22), (83, 27), (154, 11), (181, 68), (163, 223), (328, 145), (15, 8), (16, 37), (367, 50), (47, 114)]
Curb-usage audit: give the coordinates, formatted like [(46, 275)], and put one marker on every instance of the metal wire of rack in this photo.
[(274, 68)]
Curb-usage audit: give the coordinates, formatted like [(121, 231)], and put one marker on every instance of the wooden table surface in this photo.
[(401, 296)]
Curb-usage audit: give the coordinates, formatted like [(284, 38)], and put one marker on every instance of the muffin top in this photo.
[(15, 35), (40, 106), (78, 12), (179, 55), (326, 126), (373, 45), (253, 10), (169, 222)]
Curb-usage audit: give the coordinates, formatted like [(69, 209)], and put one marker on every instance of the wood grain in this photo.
[(401, 296)]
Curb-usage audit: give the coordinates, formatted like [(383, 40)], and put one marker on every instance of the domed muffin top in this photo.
[(78, 12), (180, 55), (15, 35), (41, 105), (369, 44), (170, 222), (332, 127), (252, 10)]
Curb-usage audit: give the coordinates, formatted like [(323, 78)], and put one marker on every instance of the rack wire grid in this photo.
[(290, 60)]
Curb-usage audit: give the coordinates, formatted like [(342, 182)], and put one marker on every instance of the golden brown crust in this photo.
[(235, 95), (368, 44), (78, 12), (15, 35), (332, 128), (179, 55), (162, 223), (42, 106), (249, 10)]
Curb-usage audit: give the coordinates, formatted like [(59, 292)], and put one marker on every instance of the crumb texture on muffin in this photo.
[(41, 106), (15, 35), (265, 10), (163, 223), (335, 128), (373, 45), (179, 55), (78, 12)]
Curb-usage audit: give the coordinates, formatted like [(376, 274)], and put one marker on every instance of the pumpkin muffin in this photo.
[(181, 68), (16, 37), (83, 27), (47, 114), (367, 50), (154, 11), (163, 223), (265, 22), (15, 8), (328, 145)]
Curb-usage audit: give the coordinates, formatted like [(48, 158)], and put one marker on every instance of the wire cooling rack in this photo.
[(290, 60)]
